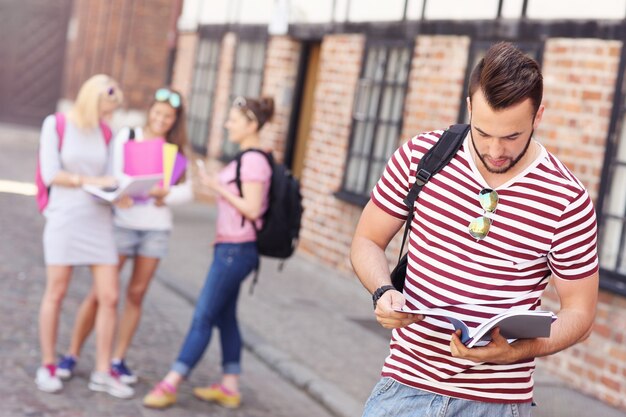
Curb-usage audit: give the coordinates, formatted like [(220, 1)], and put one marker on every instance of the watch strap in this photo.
[(379, 293)]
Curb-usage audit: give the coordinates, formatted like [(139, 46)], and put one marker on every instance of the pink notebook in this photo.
[(143, 158)]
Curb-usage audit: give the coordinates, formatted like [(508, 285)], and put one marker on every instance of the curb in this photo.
[(329, 395)]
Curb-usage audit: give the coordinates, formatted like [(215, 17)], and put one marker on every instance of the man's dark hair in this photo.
[(507, 76)]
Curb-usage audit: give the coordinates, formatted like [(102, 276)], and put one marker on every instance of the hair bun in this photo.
[(266, 105)]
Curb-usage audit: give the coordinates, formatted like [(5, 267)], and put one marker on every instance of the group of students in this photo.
[(80, 230)]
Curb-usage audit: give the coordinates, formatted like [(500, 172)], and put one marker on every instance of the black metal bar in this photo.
[(612, 136), (296, 106), (524, 9), (499, 13), (404, 11)]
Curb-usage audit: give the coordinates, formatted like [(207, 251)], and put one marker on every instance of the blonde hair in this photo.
[(86, 110)]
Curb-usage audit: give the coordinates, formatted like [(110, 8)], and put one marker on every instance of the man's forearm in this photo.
[(571, 327), (369, 263)]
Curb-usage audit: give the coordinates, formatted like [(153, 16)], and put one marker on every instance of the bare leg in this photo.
[(106, 284), (143, 271), (84, 323), (86, 318), (57, 280), (231, 382), (173, 378)]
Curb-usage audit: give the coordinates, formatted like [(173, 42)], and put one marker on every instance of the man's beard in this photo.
[(513, 161)]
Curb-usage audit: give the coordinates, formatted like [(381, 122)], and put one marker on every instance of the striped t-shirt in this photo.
[(544, 224)]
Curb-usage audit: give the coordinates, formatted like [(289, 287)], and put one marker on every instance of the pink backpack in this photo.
[(43, 191)]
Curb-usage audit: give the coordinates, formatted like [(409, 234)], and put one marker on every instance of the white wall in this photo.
[(376, 10), (321, 11), (461, 9), (576, 9)]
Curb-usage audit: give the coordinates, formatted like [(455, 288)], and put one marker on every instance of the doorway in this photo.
[(302, 114)]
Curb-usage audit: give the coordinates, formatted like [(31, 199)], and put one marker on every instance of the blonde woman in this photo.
[(79, 230)]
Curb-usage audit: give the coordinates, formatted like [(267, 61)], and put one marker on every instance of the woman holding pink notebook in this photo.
[(142, 230)]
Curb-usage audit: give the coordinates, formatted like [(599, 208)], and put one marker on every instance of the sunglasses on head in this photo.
[(242, 104), (479, 227), (111, 93), (165, 95)]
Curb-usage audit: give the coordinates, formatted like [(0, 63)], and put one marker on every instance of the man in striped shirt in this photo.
[(489, 231)]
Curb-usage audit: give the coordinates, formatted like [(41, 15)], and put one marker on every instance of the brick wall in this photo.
[(598, 365), (185, 60), (579, 80), (328, 223), (279, 79), (435, 84), (123, 38), (222, 93)]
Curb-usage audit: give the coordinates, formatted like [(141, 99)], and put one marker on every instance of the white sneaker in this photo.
[(111, 384), (46, 381)]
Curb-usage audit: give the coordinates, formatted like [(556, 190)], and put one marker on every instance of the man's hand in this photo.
[(497, 351), (390, 319)]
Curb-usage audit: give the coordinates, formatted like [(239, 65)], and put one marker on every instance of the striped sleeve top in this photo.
[(544, 224)]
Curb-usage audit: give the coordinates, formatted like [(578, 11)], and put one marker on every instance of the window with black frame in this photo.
[(201, 100), (612, 228), (477, 51), (377, 117), (247, 81)]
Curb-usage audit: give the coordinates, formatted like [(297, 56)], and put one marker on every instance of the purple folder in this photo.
[(143, 158), (180, 164)]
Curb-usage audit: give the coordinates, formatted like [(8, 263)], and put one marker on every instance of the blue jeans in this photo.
[(217, 306), (393, 399)]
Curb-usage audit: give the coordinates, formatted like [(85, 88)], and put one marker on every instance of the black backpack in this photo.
[(278, 237), (431, 163)]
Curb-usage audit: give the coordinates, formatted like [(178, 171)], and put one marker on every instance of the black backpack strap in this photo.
[(431, 163), (237, 180), (131, 134)]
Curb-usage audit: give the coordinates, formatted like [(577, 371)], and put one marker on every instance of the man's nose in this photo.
[(496, 147)]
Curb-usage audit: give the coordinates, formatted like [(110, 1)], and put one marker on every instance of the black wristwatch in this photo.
[(379, 293)]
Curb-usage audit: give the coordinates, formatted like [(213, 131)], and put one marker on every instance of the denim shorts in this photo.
[(148, 243), (391, 398)]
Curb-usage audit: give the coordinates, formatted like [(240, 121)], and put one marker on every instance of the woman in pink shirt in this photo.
[(235, 256)]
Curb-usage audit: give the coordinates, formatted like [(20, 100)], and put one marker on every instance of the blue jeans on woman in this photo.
[(217, 306)]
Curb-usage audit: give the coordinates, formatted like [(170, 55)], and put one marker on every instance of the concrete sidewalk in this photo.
[(316, 327)]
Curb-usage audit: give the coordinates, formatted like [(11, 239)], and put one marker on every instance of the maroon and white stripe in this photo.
[(544, 224)]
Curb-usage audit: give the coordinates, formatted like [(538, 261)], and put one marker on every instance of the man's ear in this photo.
[(469, 107), (538, 116)]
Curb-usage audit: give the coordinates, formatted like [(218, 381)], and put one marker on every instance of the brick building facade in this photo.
[(126, 39), (582, 74)]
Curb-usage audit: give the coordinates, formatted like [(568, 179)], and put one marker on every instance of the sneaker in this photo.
[(126, 375), (110, 383), (65, 367), (218, 394), (163, 395), (47, 380)]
